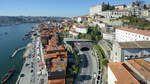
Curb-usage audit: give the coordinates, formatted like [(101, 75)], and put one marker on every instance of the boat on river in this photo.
[(7, 75)]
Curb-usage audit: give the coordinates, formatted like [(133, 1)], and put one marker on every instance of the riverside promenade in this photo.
[(34, 70)]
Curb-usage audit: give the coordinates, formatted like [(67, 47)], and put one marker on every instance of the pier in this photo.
[(17, 50)]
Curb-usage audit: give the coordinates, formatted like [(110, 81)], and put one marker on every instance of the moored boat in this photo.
[(7, 75)]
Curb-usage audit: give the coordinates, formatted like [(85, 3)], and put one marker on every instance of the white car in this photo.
[(94, 75)]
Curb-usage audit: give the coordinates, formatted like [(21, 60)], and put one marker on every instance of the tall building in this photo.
[(96, 9)]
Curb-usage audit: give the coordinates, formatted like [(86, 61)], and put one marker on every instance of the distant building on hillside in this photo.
[(122, 51), (96, 9), (78, 28), (115, 13), (146, 13), (130, 34), (120, 7), (82, 18)]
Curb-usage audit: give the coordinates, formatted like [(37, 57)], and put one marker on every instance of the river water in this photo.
[(8, 43)]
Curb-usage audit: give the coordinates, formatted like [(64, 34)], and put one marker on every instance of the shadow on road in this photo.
[(84, 77), (84, 60)]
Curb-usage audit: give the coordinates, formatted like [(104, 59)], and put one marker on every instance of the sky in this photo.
[(67, 8)]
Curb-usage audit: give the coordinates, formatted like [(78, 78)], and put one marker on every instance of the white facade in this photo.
[(111, 77), (125, 36), (80, 29), (96, 9), (81, 19), (110, 37), (115, 55), (120, 6), (73, 33), (115, 13), (100, 24)]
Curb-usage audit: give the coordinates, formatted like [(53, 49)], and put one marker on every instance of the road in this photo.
[(32, 71), (88, 65)]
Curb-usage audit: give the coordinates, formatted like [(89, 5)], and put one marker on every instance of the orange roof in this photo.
[(81, 26), (138, 31), (73, 30), (57, 81), (121, 74), (143, 68)]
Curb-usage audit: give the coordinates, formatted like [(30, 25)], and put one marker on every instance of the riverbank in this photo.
[(27, 51), (8, 44), (26, 55)]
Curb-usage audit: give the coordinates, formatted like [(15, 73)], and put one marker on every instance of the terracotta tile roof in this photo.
[(141, 66), (57, 81), (80, 26), (121, 74), (138, 31), (73, 30)]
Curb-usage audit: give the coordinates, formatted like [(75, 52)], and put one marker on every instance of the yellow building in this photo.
[(146, 13), (90, 19)]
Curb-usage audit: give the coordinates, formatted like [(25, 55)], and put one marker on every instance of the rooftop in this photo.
[(80, 26), (142, 66), (121, 74), (57, 81), (138, 31), (135, 44)]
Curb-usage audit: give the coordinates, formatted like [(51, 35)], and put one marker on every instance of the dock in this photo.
[(16, 51)]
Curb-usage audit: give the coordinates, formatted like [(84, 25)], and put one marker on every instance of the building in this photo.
[(109, 36), (78, 28), (120, 7), (73, 32), (45, 35), (118, 74), (55, 57), (100, 24), (140, 68), (82, 19), (146, 13), (122, 51), (96, 9), (130, 34), (115, 13)]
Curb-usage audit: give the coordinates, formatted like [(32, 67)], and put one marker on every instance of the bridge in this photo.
[(17, 50), (76, 40)]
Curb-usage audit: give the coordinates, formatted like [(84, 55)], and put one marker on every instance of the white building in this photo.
[(108, 36), (100, 24), (96, 9), (78, 28), (81, 19), (118, 74), (122, 51), (115, 13), (73, 32), (120, 7), (130, 34)]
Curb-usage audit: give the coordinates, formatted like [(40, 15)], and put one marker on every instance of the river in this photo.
[(8, 43)]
